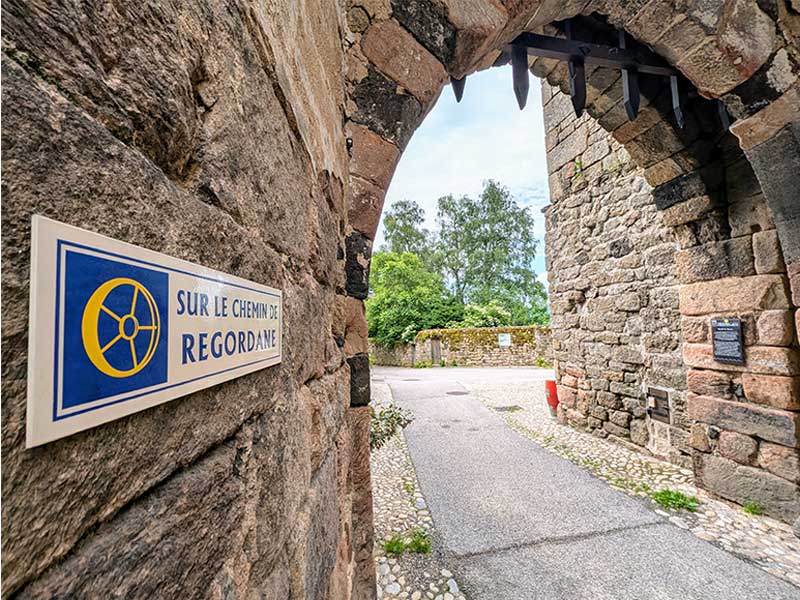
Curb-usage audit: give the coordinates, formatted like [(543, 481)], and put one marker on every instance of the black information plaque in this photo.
[(727, 338)]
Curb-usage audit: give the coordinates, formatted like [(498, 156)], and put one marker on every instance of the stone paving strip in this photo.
[(765, 542), (400, 509)]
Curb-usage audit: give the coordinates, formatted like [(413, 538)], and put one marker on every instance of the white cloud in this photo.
[(486, 136)]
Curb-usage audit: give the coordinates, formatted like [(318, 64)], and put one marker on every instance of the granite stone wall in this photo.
[(636, 275), (614, 290), (470, 347), (259, 139), (190, 129)]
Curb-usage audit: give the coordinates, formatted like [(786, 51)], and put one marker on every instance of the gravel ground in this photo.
[(765, 542), (399, 509)]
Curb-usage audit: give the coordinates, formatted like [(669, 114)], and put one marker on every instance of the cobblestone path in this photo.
[(399, 509)]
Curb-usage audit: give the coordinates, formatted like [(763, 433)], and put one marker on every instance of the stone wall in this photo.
[(613, 288), (191, 129), (259, 139), (635, 279), (470, 347), (399, 355)]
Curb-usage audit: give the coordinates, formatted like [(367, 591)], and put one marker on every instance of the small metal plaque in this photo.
[(504, 340), (658, 404), (726, 334)]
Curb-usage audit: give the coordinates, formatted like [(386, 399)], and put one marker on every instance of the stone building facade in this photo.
[(614, 290), (259, 139)]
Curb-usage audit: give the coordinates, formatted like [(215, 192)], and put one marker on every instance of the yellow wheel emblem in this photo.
[(128, 328)]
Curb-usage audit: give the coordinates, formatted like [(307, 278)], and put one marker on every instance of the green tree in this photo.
[(485, 251), (403, 230), (405, 298), (492, 314)]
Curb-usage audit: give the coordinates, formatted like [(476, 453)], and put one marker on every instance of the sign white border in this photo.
[(45, 422)]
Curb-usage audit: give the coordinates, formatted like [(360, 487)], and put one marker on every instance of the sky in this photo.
[(486, 136)]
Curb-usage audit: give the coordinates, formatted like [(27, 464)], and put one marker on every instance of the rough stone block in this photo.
[(695, 329), (780, 460), (677, 190), (358, 250), (768, 360), (620, 418), (715, 260), (779, 497), (736, 446), (775, 391), (767, 252), (576, 419), (567, 396), (749, 216), (395, 52), (630, 302), (639, 433), (775, 327), (781, 427), (359, 380), (688, 210), (617, 430), (763, 125), (384, 109), (356, 331), (429, 23), (374, 158), (699, 437), (568, 150), (608, 399), (366, 204), (735, 294), (709, 383)]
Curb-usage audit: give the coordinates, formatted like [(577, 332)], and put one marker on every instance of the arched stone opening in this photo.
[(710, 188), (217, 133)]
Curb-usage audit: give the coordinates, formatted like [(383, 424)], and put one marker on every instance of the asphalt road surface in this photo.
[(518, 522)]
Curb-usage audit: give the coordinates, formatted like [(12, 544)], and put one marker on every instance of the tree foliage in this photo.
[(492, 314), (485, 250), (476, 270), (403, 230), (406, 298)]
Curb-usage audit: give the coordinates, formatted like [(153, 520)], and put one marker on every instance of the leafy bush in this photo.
[(406, 298), (386, 422), (492, 314), (675, 500)]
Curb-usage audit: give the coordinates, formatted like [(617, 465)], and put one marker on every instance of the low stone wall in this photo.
[(470, 347), (401, 355)]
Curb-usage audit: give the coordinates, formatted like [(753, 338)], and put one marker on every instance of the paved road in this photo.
[(521, 523)]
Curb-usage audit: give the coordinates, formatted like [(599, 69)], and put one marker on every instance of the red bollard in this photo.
[(551, 395)]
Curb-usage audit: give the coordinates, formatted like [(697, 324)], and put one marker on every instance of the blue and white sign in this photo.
[(115, 329)]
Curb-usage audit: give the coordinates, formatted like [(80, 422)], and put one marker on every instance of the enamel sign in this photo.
[(115, 329)]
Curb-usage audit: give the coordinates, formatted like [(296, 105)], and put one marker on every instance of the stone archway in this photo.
[(706, 184), (258, 139)]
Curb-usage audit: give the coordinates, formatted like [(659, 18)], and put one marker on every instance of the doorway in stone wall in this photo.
[(648, 229)]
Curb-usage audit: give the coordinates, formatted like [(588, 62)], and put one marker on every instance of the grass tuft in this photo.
[(419, 542), (675, 500), (753, 508), (394, 546)]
